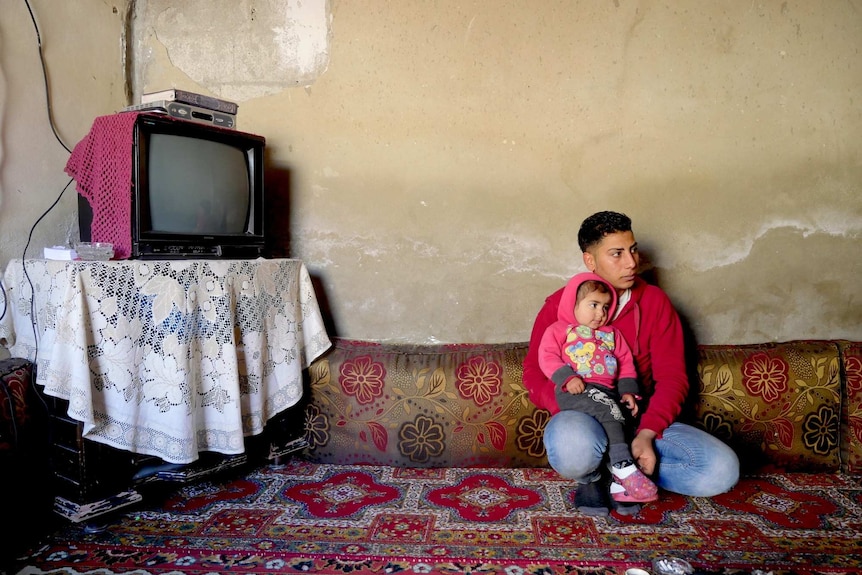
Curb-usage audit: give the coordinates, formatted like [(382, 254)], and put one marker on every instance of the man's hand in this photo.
[(643, 451), (575, 386)]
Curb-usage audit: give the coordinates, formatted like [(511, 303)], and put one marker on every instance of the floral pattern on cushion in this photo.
[(15, 378), (851, 449), (777, 405), (423, 406)]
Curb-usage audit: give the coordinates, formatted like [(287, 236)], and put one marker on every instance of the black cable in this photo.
[(45, 78), (33, 321), (5, 300), (33, 228), (24, 259)]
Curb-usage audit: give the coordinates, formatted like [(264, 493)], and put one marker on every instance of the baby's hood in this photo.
[(566, 311)]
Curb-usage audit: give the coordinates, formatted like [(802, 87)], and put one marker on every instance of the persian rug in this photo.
[(360, 520)]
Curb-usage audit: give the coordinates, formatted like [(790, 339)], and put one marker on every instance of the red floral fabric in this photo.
[(423, 406), (778, 405), (851, 447), (15, 415)]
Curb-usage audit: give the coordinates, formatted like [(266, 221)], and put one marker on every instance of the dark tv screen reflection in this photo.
[(197, 186)]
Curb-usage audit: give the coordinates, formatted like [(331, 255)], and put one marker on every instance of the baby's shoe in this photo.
[(630, 485)]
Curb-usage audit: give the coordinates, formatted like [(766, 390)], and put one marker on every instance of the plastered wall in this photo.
[(83, 46), (433, 160)]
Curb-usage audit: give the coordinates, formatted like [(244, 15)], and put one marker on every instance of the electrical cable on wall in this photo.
[(45, 78), (33, 320), (50, 120), (5, 300), (57, 136)]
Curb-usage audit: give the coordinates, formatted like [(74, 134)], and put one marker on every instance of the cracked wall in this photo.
[(431, 162), (84, 74), (442, 158)]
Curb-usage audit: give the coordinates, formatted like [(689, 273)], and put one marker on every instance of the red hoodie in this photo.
[(651, 326)]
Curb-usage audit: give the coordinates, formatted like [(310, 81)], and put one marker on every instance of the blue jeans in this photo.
[(690, 461)]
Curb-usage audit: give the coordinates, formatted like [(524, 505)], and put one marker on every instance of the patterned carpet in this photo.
[(307, 518)]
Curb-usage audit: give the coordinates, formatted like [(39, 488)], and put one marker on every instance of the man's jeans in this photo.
[(690, 461)]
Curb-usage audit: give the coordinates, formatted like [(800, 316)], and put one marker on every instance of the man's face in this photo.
[(615, 259)]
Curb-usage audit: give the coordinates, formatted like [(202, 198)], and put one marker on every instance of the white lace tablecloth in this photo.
[(167, 358)]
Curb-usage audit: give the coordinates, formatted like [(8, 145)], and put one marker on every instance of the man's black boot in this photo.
[(625, 508), (592, 498)]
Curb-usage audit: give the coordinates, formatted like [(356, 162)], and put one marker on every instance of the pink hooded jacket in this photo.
[(600, 357), (653, 330)]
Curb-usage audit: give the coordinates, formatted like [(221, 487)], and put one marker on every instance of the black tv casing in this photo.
[(147, 244)]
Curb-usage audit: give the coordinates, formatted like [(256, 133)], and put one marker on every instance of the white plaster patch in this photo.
[(247, 49), (507, 252), (326, 247), (319, 190), (717, 252), (305, 40), (528, 254)]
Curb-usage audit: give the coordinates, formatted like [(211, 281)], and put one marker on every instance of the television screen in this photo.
[(187, 190), (197, 186), (198, 191)]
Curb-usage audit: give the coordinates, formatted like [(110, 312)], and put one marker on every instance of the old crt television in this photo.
[(197, 191)]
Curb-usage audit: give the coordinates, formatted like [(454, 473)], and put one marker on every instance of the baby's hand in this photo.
[(575, 386), (628, 399)]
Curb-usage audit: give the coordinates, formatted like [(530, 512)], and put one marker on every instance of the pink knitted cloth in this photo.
[(101, 164)]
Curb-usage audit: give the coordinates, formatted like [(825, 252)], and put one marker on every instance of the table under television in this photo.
[(168, 358)]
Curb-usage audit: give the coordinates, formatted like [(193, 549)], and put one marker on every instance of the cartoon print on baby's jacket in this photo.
[(583, 354)]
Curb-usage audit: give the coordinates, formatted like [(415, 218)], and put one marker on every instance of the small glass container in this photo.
[(94, 251), (671, 566)]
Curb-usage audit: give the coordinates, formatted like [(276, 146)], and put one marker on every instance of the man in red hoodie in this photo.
[(679, 457)]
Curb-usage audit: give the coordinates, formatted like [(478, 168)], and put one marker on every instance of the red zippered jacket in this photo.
[(652, 328)]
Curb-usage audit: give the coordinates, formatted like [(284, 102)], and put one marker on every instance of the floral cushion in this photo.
[(423, 406), (851, 449), (778, 405), (15, 375)]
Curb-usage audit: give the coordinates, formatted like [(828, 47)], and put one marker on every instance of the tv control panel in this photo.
[(189, 251)]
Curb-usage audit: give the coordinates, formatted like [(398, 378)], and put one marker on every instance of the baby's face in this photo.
[(592, 310)]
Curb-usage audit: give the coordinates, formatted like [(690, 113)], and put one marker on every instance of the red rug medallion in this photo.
[(341, 495), (778, 505), (484, 498)]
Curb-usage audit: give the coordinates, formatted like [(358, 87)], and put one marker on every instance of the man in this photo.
[(681, 458)]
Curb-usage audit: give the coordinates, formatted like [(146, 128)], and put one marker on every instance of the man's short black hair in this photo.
[(600, 224)]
